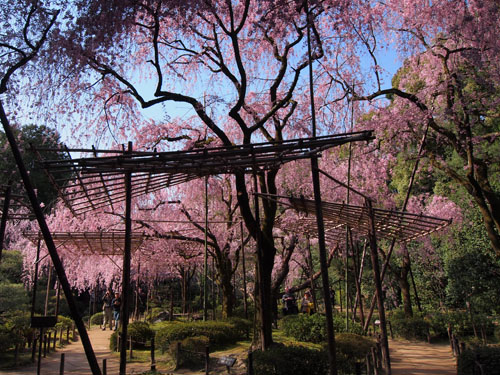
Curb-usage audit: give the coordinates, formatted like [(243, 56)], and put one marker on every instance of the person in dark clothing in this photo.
[(289, 303), (107, 310), (117, 304)]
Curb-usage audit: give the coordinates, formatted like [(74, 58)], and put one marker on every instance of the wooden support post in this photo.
[(39, 364), (33, 349), (5, 214), (245, 297), (126, 268), (44, 345), (131, 355), (250, 363), (56, 261), (378, 286), (207, 360), (104, 367), (153, 362), (47, 292), (61, 365)]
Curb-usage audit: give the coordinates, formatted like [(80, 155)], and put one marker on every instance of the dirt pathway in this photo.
[(76, 361), (407, 358), (420, 358)]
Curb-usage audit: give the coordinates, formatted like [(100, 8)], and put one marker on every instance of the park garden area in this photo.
[(207, 160)]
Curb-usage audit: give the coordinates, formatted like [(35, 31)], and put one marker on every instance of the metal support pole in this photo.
[(56, 261), (5, 215), (126, 269)]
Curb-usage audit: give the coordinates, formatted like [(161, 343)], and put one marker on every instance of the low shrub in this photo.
[(241, 326), (312, 328), (97, 319), (351, 349), (14, 329), (140, 331), (63, 322), (285, 360), (192, 351), (157, 314), (410, 328), (487, 356), (112, 341), (460, 324), (219, 333)]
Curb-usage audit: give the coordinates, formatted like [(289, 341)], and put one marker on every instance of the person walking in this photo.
[(107, 310), (117, 304)]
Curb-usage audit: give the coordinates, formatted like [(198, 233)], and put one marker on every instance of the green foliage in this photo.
[(11, 267), (219, 333), (64, 322), (241, 325), (38, 136), (192, 351), (312, 328), (14, 329), (12, 297), (285, 360), (410, 328), (488, 356), (154, 313), (351, 348), (140, 331), (112, 341), (97, 319)]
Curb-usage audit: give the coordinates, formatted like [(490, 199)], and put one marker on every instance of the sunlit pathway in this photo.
[(76, 362), (419, 358)]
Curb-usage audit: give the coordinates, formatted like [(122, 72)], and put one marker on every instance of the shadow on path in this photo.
[(420, 358)]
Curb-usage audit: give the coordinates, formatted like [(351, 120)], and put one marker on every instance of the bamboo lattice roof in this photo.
[(334, 233), (403, 226), (17, 202), (91, 243), (98, 181)]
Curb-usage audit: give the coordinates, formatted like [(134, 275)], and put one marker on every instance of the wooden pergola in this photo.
[(97, 181), (402, 226), (112, 176), (92, 243)]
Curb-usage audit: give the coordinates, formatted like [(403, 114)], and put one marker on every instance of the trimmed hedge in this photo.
[(298, 360), (312, 328), (350, 349), (97, 319), (218, 333), (192, 352), (488, 356), (460, 323), (140, 331), (414, 328), (286, 360)]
